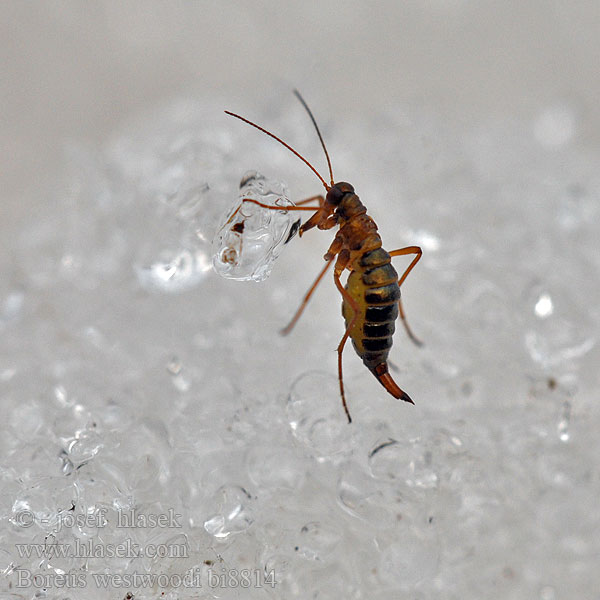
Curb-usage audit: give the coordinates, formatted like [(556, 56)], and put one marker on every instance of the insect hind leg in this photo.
[(340, 349), (401, 252)]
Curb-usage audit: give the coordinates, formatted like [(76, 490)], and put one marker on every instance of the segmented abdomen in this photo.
[(373, 284)]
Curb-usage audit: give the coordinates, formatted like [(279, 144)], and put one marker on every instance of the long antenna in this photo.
[(297, 94), (327, 187)]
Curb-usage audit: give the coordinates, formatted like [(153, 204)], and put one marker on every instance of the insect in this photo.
[(371, 297)]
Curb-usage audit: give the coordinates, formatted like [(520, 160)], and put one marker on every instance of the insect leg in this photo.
[(334, 249), (348, 298), (291, 324), (282, 208), (318, 197), (408, 250), (402, 251)]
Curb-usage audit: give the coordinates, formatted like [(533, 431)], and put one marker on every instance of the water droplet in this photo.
[(66, 463), (174, 271), (174, 366), (410, 462), (558, 341), (317, 541), (233, 513), (42, 504), (427, 240), (180, 381), (275, 468), (84, 446), (316, 415), (544, 306), (60, 393), (360, 497), (563, 424)]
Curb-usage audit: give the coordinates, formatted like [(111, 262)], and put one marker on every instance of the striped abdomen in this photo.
[(373, 284)]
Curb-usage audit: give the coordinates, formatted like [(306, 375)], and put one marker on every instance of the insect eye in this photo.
[(335, 195)]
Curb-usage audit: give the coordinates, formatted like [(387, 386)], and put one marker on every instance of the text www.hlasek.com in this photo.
[(195, 578), (89, 549)]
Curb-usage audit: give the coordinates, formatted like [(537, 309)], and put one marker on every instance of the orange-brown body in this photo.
[(370, 308), (371, 297)]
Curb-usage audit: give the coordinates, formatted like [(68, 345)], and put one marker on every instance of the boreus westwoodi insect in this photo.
[(371, 297)]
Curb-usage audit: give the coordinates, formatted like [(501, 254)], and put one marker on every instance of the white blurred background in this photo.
[(471, 128), (76, 69)]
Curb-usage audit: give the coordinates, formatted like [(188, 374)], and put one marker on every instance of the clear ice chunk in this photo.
[(317, 541), (252, 237), (316, 422), (408, 461), (234, 512), (173, 270)]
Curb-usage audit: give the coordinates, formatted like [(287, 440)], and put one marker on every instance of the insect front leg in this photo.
[(302, 306), (319, 197), (401, 252), (316, 219), (334, 249), (282, 208), (321, 219)]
